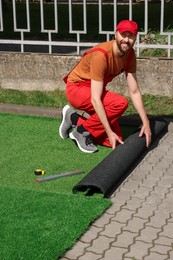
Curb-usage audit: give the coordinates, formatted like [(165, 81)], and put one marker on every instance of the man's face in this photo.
[(125, 41)]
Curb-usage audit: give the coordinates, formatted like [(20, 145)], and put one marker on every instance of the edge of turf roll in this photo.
[(112, 170)]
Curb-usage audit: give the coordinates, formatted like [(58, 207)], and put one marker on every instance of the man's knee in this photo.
[(121, 103), (124, 103)]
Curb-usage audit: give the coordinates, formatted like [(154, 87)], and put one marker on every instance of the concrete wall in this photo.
[(26, 71)]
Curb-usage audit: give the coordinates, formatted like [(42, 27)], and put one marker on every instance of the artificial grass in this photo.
[(41, 224), (29, 143), (42, 220)]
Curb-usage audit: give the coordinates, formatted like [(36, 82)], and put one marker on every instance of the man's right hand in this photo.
[(114, 139)]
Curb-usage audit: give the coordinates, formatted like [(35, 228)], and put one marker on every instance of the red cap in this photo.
[(127, 26)]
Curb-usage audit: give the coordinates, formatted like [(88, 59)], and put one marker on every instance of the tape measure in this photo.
[(39, 172)]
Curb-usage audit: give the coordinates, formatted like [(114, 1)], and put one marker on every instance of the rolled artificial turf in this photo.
[(112, 170)]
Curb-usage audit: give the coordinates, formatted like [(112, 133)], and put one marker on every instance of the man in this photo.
[(86, 91)]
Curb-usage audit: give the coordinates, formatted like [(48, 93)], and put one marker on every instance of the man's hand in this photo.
[(114, 139), (145, 130)]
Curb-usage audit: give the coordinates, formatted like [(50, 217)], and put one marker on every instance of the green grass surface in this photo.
[(42, 220), (41, 224), (30, 143), (52, 99), (154, 104)]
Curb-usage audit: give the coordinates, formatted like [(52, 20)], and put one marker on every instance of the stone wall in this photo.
[(44, 72)]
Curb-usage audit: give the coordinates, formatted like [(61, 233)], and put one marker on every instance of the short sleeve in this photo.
[(98, 66), (131, 62)]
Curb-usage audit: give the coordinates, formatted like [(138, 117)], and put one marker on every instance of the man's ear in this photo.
[(115, 35)]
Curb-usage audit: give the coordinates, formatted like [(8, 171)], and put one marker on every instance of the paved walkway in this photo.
[(139, 224)]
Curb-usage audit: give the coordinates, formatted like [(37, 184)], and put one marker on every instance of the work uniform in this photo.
[(99, 64)]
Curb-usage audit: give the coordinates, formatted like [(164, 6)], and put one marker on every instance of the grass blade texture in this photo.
[(42, 220)]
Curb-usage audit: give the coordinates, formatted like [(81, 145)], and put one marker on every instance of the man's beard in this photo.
[(121, 49)]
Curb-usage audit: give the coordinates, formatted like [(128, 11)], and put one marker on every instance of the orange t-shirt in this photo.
[(94, 65)]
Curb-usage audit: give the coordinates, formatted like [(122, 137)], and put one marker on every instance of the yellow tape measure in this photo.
[(39, 172)]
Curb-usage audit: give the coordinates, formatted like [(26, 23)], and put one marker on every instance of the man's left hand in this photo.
[(146, 130)]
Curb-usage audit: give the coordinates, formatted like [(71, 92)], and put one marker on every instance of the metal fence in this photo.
[(145, 39)]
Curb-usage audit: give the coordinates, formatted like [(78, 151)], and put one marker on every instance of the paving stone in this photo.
[(149, 161), (146, 167), (135, 224), (115, 207), (153, 157), (167, 230), (155, 175), (125, 239), (167, 181), (170, 127), (164, 212), (170, 255), (160, 190), (158, 220), (168, 160), (166, 205), (123, 215), (138, 250), (112, 229), (156, 256), (154, 200), (77, 250), (90, 256), (163, 240), (133, 204), (148, 234), (170, 170), (91, 234), (145, 211), (162, 165), (139, 174), (130, 258), (171, 218), (100, 245), (103, 220), (142, 192), (123, 195), (161, 249), (131, 184), (149, 183), (114, 253), (164, 146)]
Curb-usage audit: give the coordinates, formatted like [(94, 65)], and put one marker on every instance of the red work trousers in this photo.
[(79, 95)]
